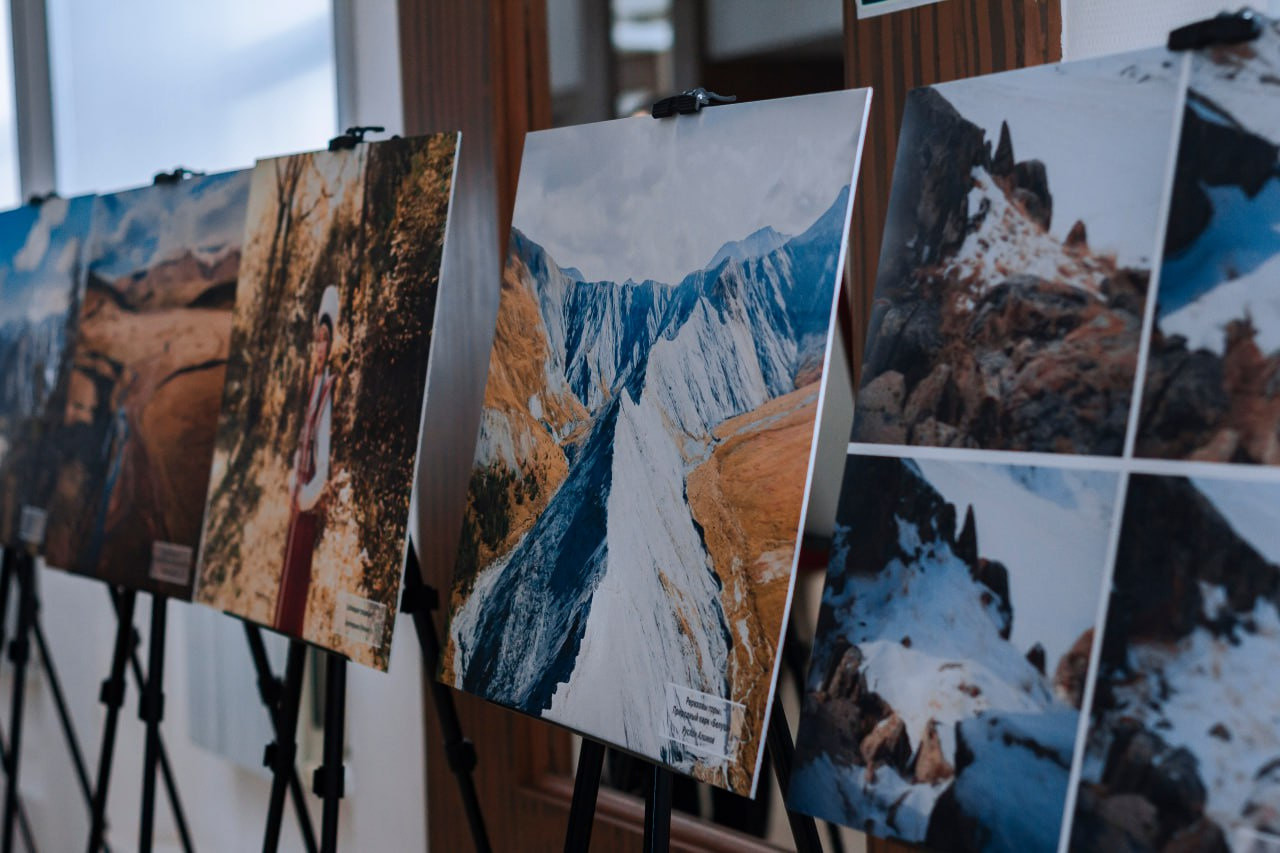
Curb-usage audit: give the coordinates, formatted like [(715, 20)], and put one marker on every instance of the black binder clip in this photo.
[(688, 102), (37, 199), (177, 176), (1225, 28), (352, 136)]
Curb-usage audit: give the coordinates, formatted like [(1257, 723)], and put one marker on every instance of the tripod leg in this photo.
[(281, 754), (7, 567), (166, 770), (112, 695), (586, 790), (7, 562), (64, 715), (783, 753), (328, 781), (269, 688), (151, 712), (19, 652), (657, 812), (419, 601), (171, 791), (24, 824)]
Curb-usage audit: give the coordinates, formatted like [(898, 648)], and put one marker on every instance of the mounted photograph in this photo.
[(952, 649), (1022, 230), (1183, 750), (1212, 390), (41, 274), (305, 528), (646, 444), (132, 445)]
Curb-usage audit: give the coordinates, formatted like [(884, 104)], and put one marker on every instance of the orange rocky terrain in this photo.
[(163, 364), (516, 375), (736, 496)]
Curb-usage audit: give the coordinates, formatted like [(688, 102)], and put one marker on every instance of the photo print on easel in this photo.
[(130, 451), (1183, 738), (40, 279), (308, 504), (945, 697), (1212, 388), (654, 387), (1018, 249)]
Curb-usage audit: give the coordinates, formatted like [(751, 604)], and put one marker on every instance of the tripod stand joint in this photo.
[(111, 693), (279, 757), (419, 598), (269, 688), (329, 781), (19, 649), (151, 706), (461, 756)]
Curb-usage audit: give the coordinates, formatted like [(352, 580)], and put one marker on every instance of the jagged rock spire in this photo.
[(1003, 161)]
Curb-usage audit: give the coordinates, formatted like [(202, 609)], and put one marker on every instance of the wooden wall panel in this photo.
[(931, 44), (479, 66)]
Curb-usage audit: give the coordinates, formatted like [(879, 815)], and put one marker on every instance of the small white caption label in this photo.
[(31, 524), (171, 563), (359, 619), (702, 721)]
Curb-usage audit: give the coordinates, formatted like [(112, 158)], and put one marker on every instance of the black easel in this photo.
[(112, 695), (657, 799), (125, 657), (270, 689), (328, 781), (10, 749), (19, 653), (419, 600), (281, 754), (151, 712)]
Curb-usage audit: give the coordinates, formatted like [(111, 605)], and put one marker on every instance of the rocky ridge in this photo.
[(987, 331), (923, 757)]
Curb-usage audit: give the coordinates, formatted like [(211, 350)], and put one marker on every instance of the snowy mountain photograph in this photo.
[(655, 383), (41, 268), (1213, 377), (1018, 246), (953, 643), (1183, 749)]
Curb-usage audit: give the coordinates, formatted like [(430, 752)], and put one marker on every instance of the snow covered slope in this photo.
[(923, 720), (610, 593)]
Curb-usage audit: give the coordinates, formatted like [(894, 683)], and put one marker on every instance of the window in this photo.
[(9, 192), (141, 86)]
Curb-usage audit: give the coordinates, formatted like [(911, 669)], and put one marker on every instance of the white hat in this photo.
[(329, 307)]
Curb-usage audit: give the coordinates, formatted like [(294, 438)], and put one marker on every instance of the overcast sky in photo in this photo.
[(134, 229), (38, 251), (641, 198)]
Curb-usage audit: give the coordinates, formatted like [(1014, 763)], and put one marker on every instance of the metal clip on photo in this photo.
[(1225, 28), (353, 136), (175, 177), (689, 101)]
